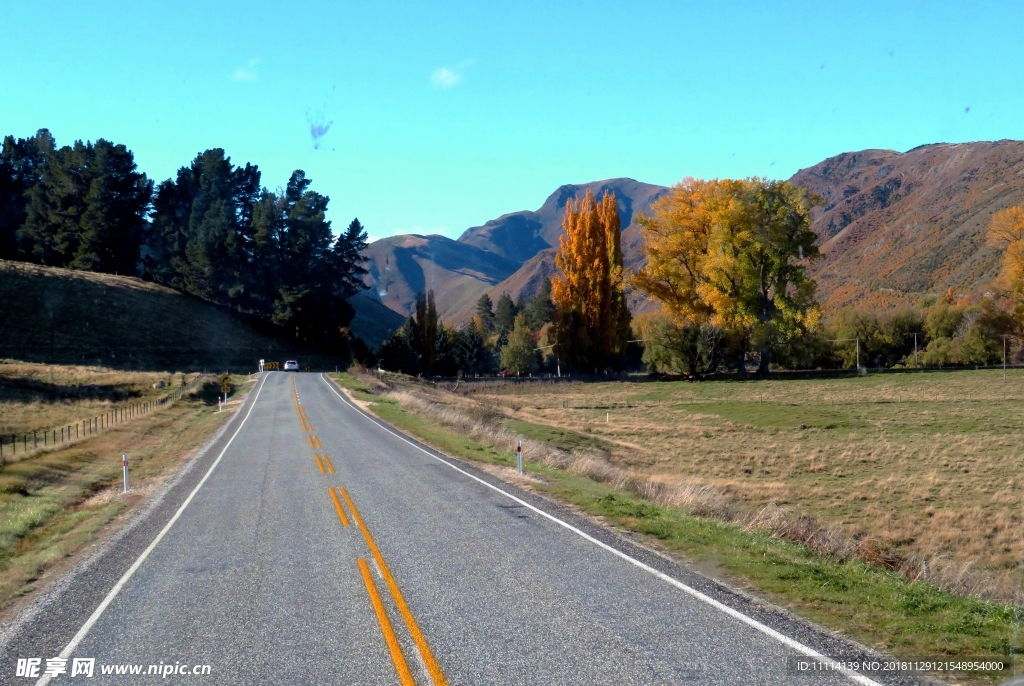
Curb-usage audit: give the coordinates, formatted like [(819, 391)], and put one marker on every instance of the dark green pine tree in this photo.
[(88, 209), (471, 352), (540, 309), (396, 353), (349, 258), (21, 168), (202, 238), (112, 226), (218, 228), (505, 315), (485, 310)]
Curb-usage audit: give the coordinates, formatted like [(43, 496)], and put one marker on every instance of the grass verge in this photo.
[(873, 605), (55, 503)]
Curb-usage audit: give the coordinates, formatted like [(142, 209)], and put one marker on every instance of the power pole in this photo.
[(1004, 358)]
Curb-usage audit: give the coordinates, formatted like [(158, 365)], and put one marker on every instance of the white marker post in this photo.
[(124, 466), (519, 456)]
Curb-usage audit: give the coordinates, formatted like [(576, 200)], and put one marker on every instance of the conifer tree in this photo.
[(88, 209), (504, 315), (540, 310), (485, 311), (21, 168)]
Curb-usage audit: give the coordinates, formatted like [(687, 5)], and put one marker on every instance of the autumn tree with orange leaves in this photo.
[(733, 254), (1006, 231), (591, 321)]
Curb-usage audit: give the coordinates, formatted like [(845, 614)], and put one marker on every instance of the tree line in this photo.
[(578, 321), (214, 231), (502, 337), (727, 261)]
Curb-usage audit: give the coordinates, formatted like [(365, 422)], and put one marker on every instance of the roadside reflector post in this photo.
[(124, 466), (519, 456)]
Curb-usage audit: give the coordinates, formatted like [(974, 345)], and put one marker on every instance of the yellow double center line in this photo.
[(404, 675), (401, 666), (324, 463), (417, 636), (338, 507)]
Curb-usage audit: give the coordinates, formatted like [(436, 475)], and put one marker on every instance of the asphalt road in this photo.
[(384, 563)]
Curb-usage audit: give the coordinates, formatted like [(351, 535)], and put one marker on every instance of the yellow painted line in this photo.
[(310, 439), (309, 427), (417, 636), (319, 464), (327, 461), (338, 507), (317, 439), (404, 675)]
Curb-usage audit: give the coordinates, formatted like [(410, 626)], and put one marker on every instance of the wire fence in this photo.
[(13, 445)]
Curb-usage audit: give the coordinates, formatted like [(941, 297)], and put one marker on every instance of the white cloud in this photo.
[(443, 77), (246, 73)]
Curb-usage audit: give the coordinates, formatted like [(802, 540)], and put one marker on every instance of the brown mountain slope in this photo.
[(502, 255), (893, 227), (373, 322), (896, 225), (521, 235), (402, 266)]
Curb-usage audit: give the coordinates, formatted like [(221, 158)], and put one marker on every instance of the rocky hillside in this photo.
[(893, 226), (896, 225), (511, 253)]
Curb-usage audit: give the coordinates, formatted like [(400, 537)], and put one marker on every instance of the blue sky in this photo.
[(445, 115)]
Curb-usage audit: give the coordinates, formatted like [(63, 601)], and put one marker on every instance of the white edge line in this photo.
[(736, 614), (98, 612)]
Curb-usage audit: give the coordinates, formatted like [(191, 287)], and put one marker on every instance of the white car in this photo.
[(291, 366)]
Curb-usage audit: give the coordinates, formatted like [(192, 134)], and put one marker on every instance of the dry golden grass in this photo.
[(922, 471), (37, 397), (55, 502)]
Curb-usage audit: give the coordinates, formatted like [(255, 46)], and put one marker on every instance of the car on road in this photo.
[(291, 366)]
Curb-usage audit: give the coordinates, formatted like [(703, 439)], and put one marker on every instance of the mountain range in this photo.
[(892, 227)]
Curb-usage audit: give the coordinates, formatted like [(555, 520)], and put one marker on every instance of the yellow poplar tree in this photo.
[(592, 321), (1006, 230)]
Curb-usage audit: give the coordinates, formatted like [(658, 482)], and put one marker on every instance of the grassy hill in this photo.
[(60, 316)]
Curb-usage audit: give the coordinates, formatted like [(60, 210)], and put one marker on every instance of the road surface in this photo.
[(309, 544)]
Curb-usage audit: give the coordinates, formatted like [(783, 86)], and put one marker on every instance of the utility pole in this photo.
[(558, 363), (916, 365), (1004, 358)]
